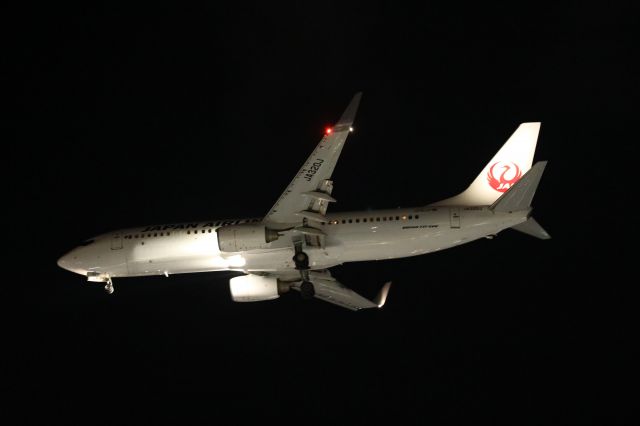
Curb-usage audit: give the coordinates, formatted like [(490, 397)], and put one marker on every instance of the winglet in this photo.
[(381, 298), (349, 114)]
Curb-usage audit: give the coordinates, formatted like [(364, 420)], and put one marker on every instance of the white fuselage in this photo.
[(349, 237)]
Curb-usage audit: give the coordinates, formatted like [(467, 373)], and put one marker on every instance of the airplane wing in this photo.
[(328, 289), (309, 193), (333, 291)]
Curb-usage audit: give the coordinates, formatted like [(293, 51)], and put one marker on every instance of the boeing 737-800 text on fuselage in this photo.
[(297, 241)]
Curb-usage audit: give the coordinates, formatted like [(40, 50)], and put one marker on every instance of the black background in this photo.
[(119, 117)]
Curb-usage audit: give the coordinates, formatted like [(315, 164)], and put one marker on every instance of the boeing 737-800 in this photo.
[(297, 241)]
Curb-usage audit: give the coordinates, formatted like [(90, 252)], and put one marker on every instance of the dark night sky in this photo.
[(123, 117)]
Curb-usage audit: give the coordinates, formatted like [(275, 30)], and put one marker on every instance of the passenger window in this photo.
[(155, 234), (384, 219), (344, 221), (350, 220), (410, 217), (364, 220), (417, 216), (209, 230), (357, 220), (188, 232), (397, 217), (377, 219)]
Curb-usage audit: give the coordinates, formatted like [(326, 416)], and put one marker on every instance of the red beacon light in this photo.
[(328, 130)]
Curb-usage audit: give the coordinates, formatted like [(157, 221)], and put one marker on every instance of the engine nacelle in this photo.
[(244, 237), (254, 288)]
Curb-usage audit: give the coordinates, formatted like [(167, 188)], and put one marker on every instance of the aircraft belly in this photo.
[(282, 259)]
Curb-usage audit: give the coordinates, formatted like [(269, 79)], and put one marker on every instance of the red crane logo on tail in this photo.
[(503, 174)]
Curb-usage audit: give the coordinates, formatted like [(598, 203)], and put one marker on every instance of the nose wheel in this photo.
[(108, 287)]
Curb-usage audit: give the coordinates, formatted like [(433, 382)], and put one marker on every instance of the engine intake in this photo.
[(255, 288), (244, 237)]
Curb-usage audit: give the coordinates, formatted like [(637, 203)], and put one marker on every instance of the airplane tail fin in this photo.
[(505, 169)]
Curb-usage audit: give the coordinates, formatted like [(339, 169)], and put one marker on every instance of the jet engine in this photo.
[(255, 288), (244, 237)]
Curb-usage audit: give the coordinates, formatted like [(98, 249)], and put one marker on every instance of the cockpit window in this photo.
[(86, 243)]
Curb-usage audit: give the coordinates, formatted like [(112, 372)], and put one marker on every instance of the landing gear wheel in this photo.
[(301, 259), (306, 290), (108, 287)]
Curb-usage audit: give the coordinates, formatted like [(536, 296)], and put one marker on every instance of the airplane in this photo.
[(296, 243)]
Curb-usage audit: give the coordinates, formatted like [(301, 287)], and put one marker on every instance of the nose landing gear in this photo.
[(97, 277), (108, 287)]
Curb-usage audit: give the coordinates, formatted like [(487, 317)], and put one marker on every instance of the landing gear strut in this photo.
[(301, 260)]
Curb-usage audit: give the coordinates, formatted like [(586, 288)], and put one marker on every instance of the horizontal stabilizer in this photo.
[(520, 195), (533, 228)]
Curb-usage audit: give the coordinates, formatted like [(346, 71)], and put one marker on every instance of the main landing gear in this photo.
[(301, 260), (307, 291)]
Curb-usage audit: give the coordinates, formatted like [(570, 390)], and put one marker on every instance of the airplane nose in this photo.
[(71, 262), (64, 263)]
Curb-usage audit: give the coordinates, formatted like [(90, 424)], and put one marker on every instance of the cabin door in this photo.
[(455, 217), (116, 242)]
